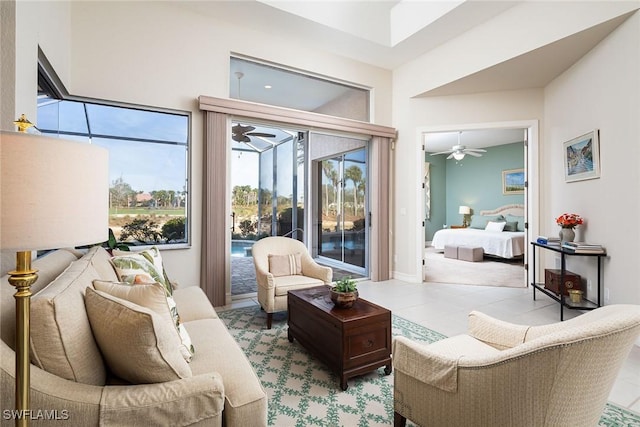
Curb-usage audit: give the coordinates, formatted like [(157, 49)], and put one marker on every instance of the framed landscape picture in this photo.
[(513, 181), (582, 157)]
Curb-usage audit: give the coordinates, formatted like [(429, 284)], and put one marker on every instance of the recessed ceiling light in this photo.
[(267, 86)]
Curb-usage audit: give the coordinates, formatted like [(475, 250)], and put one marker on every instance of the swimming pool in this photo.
[(241, 248)]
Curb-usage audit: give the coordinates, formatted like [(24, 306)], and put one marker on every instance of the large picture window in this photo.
[(148, 164)]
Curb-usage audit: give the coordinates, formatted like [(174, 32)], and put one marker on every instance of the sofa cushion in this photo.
[(99, 259), (49, 267), (137, 343), (245, 399), (285, 265), (153, 297), (193, 304), (285, 284), (61, 339)]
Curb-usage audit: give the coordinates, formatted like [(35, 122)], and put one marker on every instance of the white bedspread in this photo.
[(505, 244)]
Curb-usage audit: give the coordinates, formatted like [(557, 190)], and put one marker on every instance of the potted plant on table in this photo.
[(344, 293)]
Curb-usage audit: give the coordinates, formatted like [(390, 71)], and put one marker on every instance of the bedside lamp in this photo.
[(464, 211), (55, 194)]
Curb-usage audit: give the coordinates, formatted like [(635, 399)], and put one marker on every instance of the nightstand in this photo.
[(458, 226)]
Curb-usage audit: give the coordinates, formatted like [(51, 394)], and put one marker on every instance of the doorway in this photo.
[(453, 214), (340, 210), (342, 227)]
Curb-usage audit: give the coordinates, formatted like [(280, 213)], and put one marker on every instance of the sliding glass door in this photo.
[(341, 208)]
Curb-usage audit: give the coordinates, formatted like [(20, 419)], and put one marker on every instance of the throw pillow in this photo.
[(137, 344), (135, 269), (285, 265), (153, 297), (480, 221), (511, 226), (153, 256), (518, 219), (495, 226)]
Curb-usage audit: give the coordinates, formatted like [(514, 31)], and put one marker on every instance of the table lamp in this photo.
[(464, 211), (55, 194)]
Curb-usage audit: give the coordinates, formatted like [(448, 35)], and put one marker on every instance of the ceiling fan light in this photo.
[(458, 155)]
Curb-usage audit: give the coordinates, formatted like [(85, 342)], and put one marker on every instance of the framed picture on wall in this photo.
[(513, 181), (582, 157)]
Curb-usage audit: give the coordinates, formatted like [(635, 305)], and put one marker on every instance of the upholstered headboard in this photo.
[(515, 210)]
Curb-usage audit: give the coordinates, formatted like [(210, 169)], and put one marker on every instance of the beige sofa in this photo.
[(222, 388)]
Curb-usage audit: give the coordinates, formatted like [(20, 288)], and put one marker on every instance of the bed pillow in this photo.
[(511, 226), (137, 344), (285, 265), (495, 226), (480, 221), (518, 219)]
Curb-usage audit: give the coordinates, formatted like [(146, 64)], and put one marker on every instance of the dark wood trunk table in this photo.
[(351, 341)]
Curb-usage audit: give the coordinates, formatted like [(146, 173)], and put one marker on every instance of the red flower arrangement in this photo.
[(569, 220)]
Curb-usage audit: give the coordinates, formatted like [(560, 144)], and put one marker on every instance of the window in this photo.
[(254, 81), (148, 163)]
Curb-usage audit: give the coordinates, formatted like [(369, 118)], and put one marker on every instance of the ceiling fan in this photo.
[(242, 133), (458, 151)]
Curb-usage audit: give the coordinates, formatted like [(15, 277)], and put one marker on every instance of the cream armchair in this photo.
[(503, 374), (273, 286)]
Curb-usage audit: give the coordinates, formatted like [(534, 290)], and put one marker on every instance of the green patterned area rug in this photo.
[(303, 392)]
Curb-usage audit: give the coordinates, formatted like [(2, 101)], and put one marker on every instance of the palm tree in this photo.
[(354, 173), (332, 175)]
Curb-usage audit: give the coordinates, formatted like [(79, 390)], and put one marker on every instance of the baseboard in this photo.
[(405, 277)]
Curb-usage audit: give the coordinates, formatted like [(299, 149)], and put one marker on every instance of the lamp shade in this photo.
[(464, 210), (55, 193), (458, 155)]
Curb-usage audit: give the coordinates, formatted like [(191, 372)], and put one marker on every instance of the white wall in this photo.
[(601, 91), (160, 54)]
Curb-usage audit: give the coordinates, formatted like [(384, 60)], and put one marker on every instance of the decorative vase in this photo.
[(344, 299), (567, 234)]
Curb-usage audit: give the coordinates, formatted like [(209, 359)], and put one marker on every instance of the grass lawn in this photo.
[(147, 211)]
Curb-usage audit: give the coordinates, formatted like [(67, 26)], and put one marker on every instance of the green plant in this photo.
[(144, 230), (346, 284), (113, 243), (174, 229)]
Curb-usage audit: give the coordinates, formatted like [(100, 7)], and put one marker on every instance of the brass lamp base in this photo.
[(22, 278)]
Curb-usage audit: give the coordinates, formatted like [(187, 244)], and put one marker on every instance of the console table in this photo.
[(563, 300)]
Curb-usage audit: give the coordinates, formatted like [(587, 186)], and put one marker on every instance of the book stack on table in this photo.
[(544, 240), (583, 248)]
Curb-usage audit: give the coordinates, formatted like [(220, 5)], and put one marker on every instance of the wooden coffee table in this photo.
[(351, 341)]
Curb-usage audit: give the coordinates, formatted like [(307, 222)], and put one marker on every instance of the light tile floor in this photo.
[(444, 308)]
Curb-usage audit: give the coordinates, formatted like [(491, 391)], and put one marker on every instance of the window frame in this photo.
[(49, 82)]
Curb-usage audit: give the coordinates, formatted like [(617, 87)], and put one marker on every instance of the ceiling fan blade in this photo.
[(477, 150), (240, 138), (471, 153), (442, 152), (242, 129), (450, 156), (266, 135)]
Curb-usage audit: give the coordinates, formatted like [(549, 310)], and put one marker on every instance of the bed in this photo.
[(503, 244)]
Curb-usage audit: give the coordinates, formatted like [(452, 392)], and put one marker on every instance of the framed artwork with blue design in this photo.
[(582, 157)]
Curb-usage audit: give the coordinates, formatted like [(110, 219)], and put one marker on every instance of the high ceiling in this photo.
[(389, 34)]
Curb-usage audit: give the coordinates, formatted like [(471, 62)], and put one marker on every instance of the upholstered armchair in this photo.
[(502, 374), (283, 264)]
